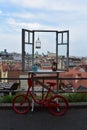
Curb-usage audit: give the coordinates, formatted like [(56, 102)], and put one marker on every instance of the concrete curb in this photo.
[(78, 104), (73, 104)]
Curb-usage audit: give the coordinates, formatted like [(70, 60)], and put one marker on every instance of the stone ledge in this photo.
[(78, 104), (73, 104)]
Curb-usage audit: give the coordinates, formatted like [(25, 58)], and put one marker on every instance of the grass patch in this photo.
[(76, 97), (71, 97), (6, 99)]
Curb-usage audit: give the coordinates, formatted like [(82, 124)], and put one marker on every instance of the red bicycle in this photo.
[(56, 104)]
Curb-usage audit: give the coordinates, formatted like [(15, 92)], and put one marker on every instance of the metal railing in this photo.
[(18, 80)]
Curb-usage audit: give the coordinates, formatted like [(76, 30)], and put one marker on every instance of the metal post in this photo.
[(23, 49), (57, 48), (67, 49), (33, 48)]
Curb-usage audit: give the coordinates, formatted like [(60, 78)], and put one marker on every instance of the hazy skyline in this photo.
[(43, 14)]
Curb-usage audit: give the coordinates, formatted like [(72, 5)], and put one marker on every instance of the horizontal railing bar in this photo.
[(47, 77), (60, 91), (43, 78), (14, 78)]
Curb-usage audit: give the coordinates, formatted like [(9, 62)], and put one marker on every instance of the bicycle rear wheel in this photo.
[(58, 105), (21, 104)]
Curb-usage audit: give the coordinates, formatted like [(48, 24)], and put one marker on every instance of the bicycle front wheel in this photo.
[(21, 104), (58, 105)]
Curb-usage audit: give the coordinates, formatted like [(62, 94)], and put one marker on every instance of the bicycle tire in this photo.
[(58, 105), (21, 104)]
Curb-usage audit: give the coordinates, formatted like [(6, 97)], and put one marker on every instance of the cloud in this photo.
[(10, 42), (24, 15), (13, 23), (28, 25), (45, 14), (29, 3), (77, 32), (2, 1), (0, 12), (52, 5)]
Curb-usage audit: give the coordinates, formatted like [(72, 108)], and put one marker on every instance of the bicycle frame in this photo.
[(40, 102), (54, 104)]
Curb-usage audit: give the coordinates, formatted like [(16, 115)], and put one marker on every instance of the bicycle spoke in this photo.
[(58, 105), (21, 104)]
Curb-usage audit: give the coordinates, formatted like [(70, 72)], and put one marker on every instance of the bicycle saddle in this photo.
[(51, 83)]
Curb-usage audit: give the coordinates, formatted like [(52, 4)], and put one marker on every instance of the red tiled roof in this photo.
[(80, 83), (74, 74), (5, 68)]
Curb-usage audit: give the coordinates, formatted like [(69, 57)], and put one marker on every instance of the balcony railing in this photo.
[(17, 81), (72, 96)]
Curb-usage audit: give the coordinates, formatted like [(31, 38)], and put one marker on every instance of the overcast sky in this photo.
[(43, 14)]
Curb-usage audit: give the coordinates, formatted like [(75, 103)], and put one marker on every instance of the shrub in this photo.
[(76, 97), (71, 97), (6, 99)]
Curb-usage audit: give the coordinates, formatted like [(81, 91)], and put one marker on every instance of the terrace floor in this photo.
[(41, 119)]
